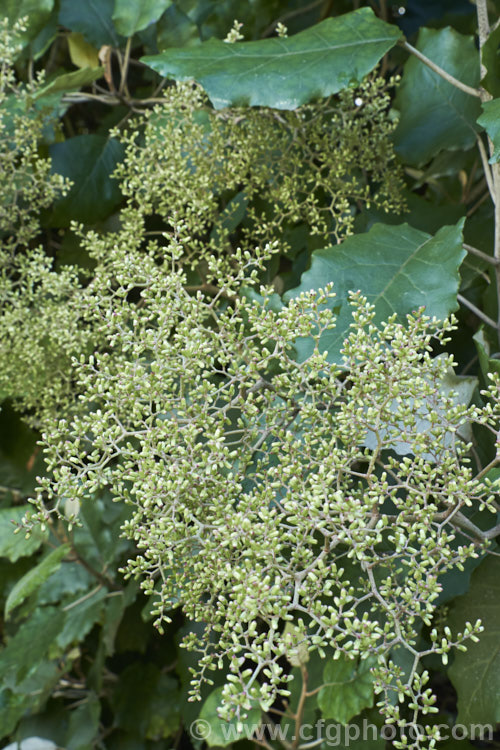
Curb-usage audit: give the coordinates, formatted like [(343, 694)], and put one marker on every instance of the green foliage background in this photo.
[(355, 164)]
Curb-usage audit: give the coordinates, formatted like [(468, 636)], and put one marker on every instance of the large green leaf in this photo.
[(81, 615), (69, 581), (283, 73), (176, 29), (218, 733), (490, 119), (34, 578), (30, 644), (130, 16), (434, 114), (13, 546), (84, 724), (88, 161), (398, 268), (476, 673), (347, 689), (92, 18)]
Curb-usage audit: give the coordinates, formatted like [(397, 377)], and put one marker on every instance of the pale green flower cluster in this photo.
[(255, 499), (264, 492), (34, 326), (302, 171), (234, 179)]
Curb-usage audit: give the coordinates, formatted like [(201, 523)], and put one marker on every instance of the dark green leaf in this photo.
[(130, 16), (70, 579), (31, 642), (427, 215), (476, 673), (456, 582), (13, 546), (99, 539), (491, 60), (283, 73), (398, 268), (39, 681), (490, 119), (84, 724), (115, 609), (434, 114), (176, 29), (347, 690), (92, 18), (34, 578), (81, 616), (47, 34), (88, 161)]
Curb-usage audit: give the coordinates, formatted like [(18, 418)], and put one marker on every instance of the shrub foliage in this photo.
[(264, 449)]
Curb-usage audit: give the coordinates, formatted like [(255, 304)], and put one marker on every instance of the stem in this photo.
[(478, 203), (488, 171), (313, 743), (479, 313), (495, 170), (83, 598), (447, 77), (103, 580), (301, 705), (463, 523), (124, 67), (487, 468), (483, 25), (480, 254)]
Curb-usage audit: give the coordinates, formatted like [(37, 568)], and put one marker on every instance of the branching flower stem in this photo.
[(479, 313)]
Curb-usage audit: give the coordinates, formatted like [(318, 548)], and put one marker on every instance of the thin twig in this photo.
[(447, 77), (487, 170), (479, 313), (479, 253), (464, 523), (83, 598), (299, 716), (478, 203), (488, 468), (123, 89), (103, 580), (483, 25)]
